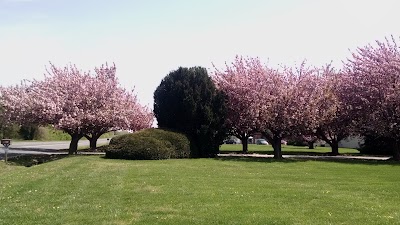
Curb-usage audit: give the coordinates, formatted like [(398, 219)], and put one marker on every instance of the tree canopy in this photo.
[(79, 103), (277, 103), (374, 77)]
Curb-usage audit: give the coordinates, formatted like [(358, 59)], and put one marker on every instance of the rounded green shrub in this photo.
[(141, 148), (149, 144), (120, 138), (179, 141)]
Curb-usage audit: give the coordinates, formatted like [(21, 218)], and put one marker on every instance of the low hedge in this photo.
[(141, 148), (179, 141), (149, 144)]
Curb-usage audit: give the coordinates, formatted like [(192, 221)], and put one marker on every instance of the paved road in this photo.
[(51, 145), (38, 147)]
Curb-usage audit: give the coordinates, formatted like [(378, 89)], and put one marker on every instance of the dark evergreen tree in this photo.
[(188, 101), (376, 144)]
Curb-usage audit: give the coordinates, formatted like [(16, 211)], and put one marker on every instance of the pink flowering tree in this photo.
[(277, 103), (289, 104), (109, 107), (374, 76), (310, 139), (14, 106), (79, 103), (336, 120), (241, 82)]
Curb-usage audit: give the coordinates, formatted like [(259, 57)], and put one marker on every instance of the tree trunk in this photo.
[(310, 144), (277, 145), (245, 145), (332, 141), (73, 146), (396, 152), (93, 140), (335, 147), (396, 155), (93, 143)]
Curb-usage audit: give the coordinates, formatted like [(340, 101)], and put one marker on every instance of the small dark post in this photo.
[(6, 143)]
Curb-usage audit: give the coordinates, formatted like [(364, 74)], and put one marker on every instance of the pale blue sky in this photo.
[(148, 39)]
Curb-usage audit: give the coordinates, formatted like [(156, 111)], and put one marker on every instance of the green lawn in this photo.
[(286, 149), (93, 190)]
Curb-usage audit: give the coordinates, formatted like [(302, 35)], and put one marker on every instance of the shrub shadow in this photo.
[(271, 152), (254, 159), (32, 160)]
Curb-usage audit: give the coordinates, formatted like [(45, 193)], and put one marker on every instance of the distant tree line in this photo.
[(360, 98)]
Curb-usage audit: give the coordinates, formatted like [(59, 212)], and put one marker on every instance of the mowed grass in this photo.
[(93, 190), (286, 149)]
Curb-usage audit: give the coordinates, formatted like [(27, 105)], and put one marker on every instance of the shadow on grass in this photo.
[(32, 160), (42, 150), (255, 159), (323, 159), (310, 153), (271, 152)]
